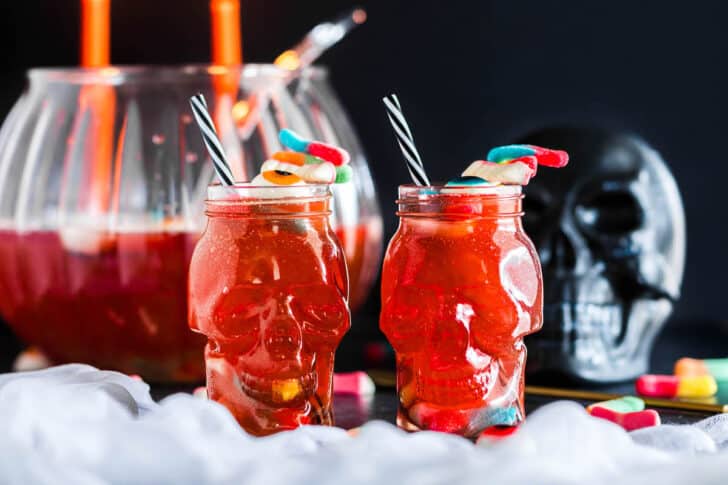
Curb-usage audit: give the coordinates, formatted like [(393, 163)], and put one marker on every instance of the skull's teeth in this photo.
[(285, 390)]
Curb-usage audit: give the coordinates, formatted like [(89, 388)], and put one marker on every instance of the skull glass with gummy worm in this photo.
[(461, 288), (269, 289)]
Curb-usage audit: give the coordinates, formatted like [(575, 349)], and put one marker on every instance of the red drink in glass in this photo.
[(268, 287), (461, 287), (119, 303)]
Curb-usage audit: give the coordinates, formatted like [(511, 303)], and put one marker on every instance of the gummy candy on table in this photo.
[(625, 404), (717, 368), (676, 386), (630, 421)]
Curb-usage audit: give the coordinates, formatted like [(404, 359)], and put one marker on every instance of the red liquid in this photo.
[(119, 301), (116, 303), (459, 293), (270, 295)]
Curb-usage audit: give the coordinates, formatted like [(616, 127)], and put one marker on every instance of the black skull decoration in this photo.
[(610, 230)]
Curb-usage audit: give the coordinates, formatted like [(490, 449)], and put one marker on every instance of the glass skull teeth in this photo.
[(612, 248)]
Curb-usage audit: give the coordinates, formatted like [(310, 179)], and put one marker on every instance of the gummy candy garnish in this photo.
[(290, 157), (292, 140), (509, 165), (279, 177), (469, 181), (344, 174), (509, 152), (310, 161), (324, 172), (329, 153), (512, 173), (544, 156)]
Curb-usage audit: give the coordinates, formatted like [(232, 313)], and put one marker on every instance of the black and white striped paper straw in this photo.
[(405, 140), (212, 141)]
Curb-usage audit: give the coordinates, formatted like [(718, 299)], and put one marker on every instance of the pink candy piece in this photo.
[(327, 152), (356, 383), (629, 421)]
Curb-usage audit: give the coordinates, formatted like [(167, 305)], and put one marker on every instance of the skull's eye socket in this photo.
[(613, 212), (320, 309), (407, 314), (237, 317)]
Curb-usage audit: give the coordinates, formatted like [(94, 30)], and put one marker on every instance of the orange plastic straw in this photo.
[(95, 33), (99, 101), (226, 39)]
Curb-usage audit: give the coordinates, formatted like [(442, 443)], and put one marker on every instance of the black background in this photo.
[(470, 75)]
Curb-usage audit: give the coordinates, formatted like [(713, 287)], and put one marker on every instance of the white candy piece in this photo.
[(279, 192), (324, 173), (276, 165), (516, 173), (260, 181)]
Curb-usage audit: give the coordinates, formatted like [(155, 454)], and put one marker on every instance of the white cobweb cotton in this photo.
[(75, 424), (717, 428), (678, 439)]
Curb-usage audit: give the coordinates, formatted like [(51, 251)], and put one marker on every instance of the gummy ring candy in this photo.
[(516, 173), (344, 174), (275, 165), (324, 172), (311, 160), (293, 140), (545, 156), (290, 157), (337, 156), (470, 181), (279, 177)]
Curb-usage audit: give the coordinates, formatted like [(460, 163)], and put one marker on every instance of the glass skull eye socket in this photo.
[(609, 211), (320, 309)]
